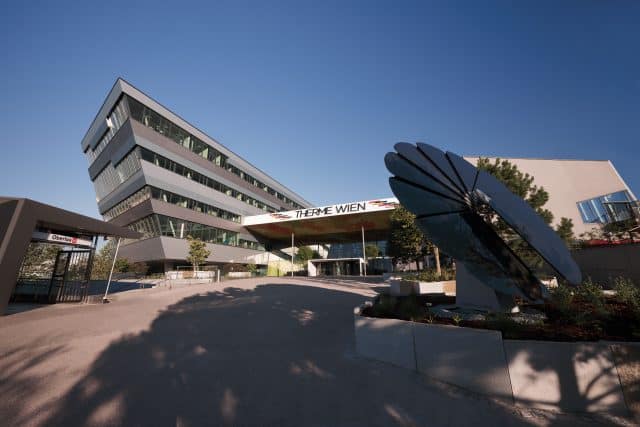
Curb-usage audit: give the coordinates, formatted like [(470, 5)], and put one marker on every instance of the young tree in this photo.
[(139, 268), (252, 268), (565, 231), (198, 252), (371, 251), (406, 241), (122, 265), (304, 254), (102, 261)]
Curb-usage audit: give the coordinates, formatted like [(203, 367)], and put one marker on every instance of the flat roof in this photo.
[(325, 224), (62, 220)]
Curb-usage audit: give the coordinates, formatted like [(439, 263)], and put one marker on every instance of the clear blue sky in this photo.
[(315, 93)]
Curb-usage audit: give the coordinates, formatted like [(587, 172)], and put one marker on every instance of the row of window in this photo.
[(133, 200), (111, 176), (115, 120), (177, 168), (148, 117), (145, 115), (160, 225), (605, 209), (128, 107), (148, 192), (251, 180)]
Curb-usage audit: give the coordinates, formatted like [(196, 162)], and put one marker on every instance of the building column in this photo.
[(364, 253), (292, 246), (15, 236)]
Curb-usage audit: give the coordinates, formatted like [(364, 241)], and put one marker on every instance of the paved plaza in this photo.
[(270, 351)]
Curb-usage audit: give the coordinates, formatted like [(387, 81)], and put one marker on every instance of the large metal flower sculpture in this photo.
[(448, 194)]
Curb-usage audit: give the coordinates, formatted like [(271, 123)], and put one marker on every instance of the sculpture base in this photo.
[(472, 293)]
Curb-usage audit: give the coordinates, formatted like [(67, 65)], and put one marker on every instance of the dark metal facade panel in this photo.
[(98, 125), (17, 224), (134, 214), (144, 250), (121, 143), (122, 191)]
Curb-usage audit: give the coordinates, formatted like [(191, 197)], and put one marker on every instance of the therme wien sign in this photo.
[(324, 211)]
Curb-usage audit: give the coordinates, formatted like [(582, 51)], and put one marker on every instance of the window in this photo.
[(161, 225), (135, 199), (605, 209), (165, 163), (116, 118), (112, 176)]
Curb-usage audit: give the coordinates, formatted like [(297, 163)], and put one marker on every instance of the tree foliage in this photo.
[(198, 252), (304, 254), (39, 260), (565, 231), (102, 261), (122, 265), (371, 251), (522, 185), (406, 241)]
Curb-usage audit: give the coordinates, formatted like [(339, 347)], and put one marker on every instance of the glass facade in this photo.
[(112, 176), (160, 225), (115, 120), (148, 192), (128, 107), (174, 167), (251, 180), (185, 202), (605, 209), (133, 200), (155, 121)]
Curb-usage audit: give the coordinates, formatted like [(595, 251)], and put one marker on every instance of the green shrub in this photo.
[(561, 298), (410, 308), (457, 319), (384, 306), (627, 293), (504, 323), (591, 293), (431, 275)]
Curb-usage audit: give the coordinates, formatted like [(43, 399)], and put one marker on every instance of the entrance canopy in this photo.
[(339, 223), (24, 220)]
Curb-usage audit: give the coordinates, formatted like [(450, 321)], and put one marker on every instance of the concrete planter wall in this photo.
[(569, 377), (401, 287)]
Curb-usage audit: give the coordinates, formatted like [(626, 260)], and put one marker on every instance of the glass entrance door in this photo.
[(70, 278)]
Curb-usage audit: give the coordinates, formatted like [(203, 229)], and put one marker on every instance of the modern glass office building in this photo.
[(159, 175)]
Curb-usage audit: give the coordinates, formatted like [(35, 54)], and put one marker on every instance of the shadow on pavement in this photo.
[(279, 354)]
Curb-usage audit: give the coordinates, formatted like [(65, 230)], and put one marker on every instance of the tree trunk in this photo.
[(436, 255)]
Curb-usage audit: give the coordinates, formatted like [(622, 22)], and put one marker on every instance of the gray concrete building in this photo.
[(161, 176)]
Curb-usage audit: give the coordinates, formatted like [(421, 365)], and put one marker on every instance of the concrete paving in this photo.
[(565, 376), (269, 351)]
